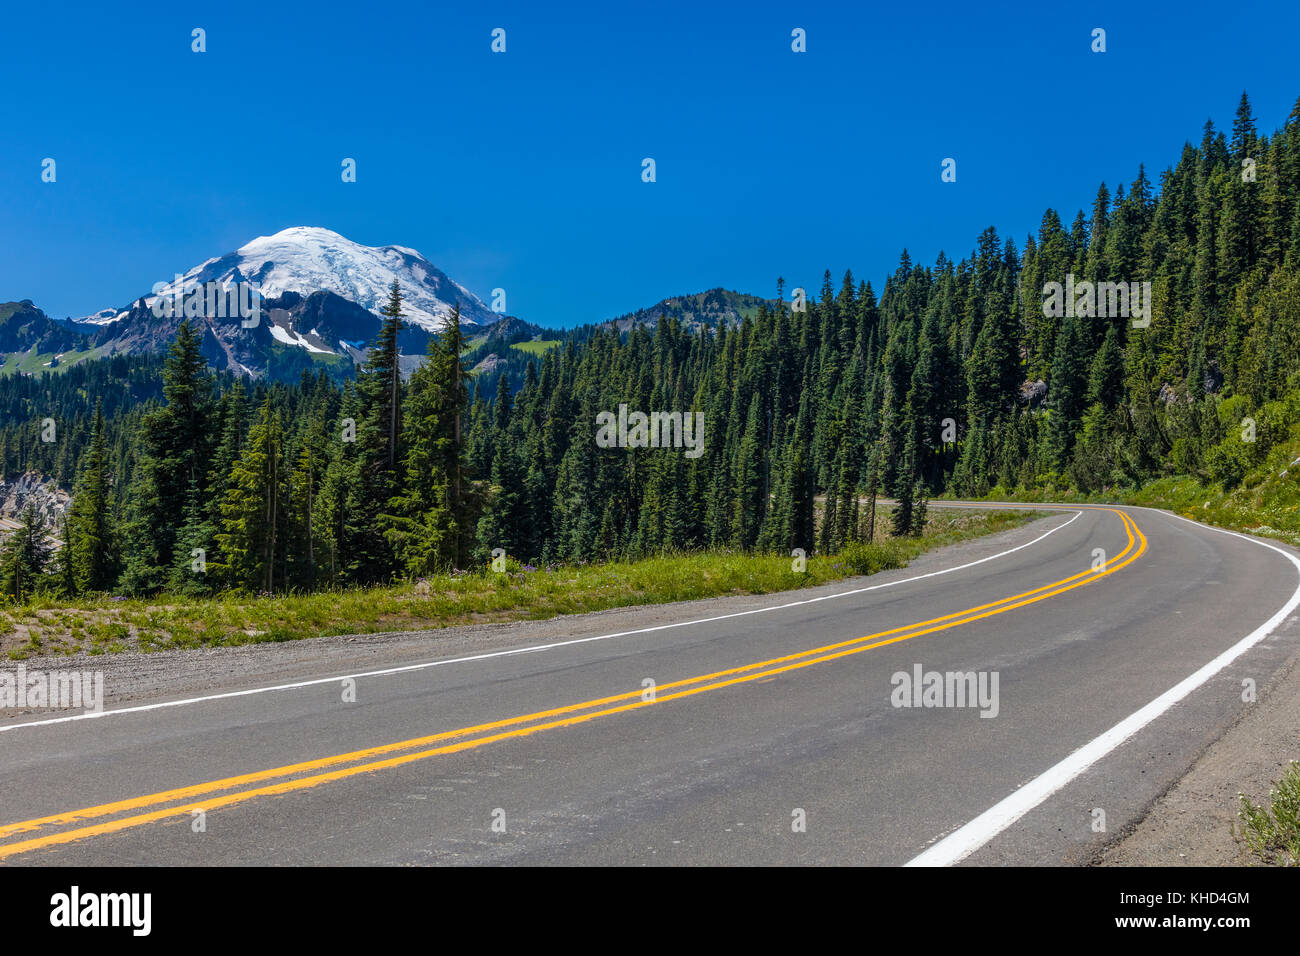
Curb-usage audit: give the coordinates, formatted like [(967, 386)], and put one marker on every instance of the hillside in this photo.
[(30, 339), (702, 310)]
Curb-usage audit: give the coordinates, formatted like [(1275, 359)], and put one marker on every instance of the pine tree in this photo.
[(1066, 391), (305, 483), (254, 512), (430, 523), (25, 555), (748, 505), (450, 404), (1106, 376), (873, 489), (91, 542), (919, 509), (385, 366), (907, 483), (176, 453), (379, 454)]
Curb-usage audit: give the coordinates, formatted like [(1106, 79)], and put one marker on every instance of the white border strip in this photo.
[(91, 715), (963, 842)]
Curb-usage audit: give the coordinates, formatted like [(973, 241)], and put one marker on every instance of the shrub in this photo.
[(1273, 832), (865, 558)]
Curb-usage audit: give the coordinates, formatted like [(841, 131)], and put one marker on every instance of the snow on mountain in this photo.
[(307, 259), (281, 334), (102, 317)]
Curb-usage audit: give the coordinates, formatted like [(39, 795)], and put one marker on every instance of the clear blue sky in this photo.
[(523, 170)]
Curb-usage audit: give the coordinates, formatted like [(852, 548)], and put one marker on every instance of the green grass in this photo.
[(1266, 499), (40, 361), (1272, 832), (1270, 509), (1265, 502), (536, 347), (330, 358), (96, 626)]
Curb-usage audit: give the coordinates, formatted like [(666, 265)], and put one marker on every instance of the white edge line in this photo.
[(91, 715), (964, 841)]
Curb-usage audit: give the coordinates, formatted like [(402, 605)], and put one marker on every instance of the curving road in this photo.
[(770, 733)]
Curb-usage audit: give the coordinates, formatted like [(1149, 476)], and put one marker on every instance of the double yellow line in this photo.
[(182, 801)]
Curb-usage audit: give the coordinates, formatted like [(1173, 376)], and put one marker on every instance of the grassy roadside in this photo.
[(1259, 494), (106, 625), (1270, 508), (1272, 831)]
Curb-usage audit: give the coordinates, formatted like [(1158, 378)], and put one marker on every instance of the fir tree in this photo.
[(25, 555), (91, 541), (253, 511)]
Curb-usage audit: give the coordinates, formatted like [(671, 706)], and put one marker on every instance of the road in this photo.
[(770, 734)]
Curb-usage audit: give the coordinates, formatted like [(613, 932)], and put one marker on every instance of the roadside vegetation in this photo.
[(108, 623), (1266, 501), (1272, 831), (1251, 482)]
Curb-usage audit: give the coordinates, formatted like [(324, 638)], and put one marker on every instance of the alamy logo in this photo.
[(134, 910), (950, 689), (62, 689), (656, 430), (1098, 300), (212, 300)]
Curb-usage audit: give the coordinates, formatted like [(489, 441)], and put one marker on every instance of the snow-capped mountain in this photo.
[(307, 259)]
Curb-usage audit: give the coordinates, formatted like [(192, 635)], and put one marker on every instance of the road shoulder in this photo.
[(1194, 823)]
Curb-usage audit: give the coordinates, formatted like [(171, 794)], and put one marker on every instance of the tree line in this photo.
[(955, 379)]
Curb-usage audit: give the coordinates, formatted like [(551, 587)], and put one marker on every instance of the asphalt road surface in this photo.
[(765, 736)]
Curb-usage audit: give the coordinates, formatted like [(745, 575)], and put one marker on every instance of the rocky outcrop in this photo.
[(1033, 393), (31, 487)]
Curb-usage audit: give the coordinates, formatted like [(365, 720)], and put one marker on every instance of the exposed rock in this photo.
[(1212, 380), (1033, 393), (31, 487)]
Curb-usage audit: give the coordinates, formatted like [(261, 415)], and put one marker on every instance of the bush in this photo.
[(1227, 462), (1186, 456), (865, 558)]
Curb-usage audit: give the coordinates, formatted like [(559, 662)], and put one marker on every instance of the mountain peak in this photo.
[(307, 259)]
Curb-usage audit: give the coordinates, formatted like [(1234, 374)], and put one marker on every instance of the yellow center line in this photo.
[(765, 670), (346, 758), (354, 756)]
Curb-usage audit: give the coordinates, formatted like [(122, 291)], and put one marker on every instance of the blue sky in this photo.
[(522, 170)]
